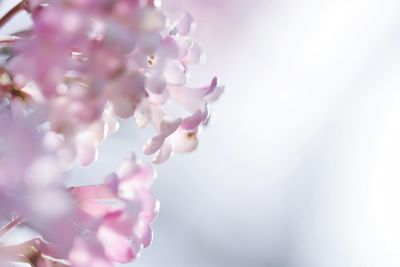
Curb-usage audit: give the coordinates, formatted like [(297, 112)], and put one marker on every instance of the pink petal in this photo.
[(133, 175), (141, 180), (176, 47), (215, 94), (193, 121), (123, 107), (142, 228), (116, 247), (93, 208), (101, 191), (169, 125), (194, 99), (153, 145), (87, 253)]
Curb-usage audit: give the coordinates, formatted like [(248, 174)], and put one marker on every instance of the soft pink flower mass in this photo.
[(66, 82)]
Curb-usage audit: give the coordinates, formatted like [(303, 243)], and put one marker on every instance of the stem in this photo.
[(10, 14), (31, 252), (8, 41), (14, 222)]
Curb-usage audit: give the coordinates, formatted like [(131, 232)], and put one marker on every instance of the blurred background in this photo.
[(301, 165)]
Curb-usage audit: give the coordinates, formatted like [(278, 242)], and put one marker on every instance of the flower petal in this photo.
[(184, 141), (163, 154), (169, 125), (87, 153), (153, 145), (175, 73), (193, 121), (195, 55), (156, 84), (185, 24)]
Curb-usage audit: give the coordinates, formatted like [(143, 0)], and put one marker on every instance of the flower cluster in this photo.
[(82, 66)]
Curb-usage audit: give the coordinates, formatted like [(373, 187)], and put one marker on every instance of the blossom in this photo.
[(179, 134), (81, 68), (30, 182), (106, 60), (116, 216), (109, 221)]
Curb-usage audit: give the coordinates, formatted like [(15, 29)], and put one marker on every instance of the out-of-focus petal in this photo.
[(153, 145), (215, 94), (185, 24), (152, 20), (128, 166), (169, 125), (176, 47), (123, 107), (156, 84), (87, 153), (88, 253)]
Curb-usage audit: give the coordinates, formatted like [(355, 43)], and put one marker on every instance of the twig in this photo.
[(8, 40), (14, 222), (11, 13), (31, 252)]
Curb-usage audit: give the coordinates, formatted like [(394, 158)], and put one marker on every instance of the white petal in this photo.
[(183, 141), (185, 24), (194, 56)]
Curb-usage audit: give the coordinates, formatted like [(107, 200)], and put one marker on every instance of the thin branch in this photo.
[(11, 13), (31, 252), (8, 40), (14, 222)]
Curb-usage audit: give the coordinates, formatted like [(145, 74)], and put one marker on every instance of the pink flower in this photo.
[(81, 67), (107, 58), (115, 217), (56, 32), (179, 134), (39, 197)]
